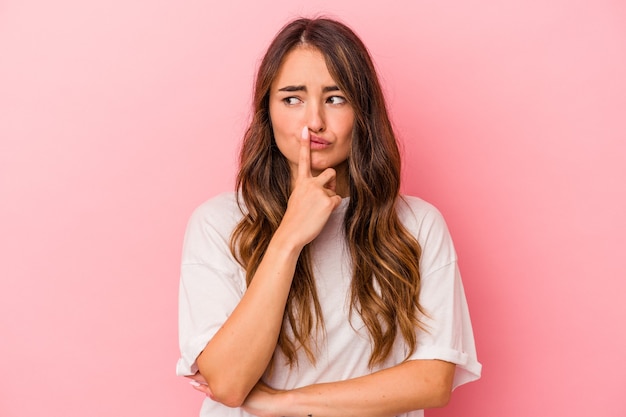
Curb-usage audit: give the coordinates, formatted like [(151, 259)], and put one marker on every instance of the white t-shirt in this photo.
[(212, 283)]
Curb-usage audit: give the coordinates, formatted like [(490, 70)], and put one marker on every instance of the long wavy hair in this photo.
[(385, 256)]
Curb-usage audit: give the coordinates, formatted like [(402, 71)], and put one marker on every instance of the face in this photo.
[(304, 94)]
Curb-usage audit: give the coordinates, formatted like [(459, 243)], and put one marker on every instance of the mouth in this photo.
[(318, 143)]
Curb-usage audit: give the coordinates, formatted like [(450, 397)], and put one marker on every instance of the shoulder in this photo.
[(214, 220), (221, 209), (222, 204), (426, 223), (413, 211)]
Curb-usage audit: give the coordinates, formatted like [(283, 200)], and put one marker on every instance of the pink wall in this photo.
[(117, 118)]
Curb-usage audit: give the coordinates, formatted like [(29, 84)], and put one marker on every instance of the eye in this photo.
[(290, 101), (336, 100)]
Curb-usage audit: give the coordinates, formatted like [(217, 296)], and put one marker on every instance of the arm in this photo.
[(412, 385), (236, 357)]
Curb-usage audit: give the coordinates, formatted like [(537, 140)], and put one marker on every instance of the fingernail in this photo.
[(194, 383), (305, 132)]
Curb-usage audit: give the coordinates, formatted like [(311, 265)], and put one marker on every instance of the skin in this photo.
[(305, 94), (306, 108), (235, 359)]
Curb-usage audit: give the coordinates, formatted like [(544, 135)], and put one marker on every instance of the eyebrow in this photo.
[(292, 88)]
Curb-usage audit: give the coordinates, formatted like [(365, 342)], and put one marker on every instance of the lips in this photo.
[(319, 143)]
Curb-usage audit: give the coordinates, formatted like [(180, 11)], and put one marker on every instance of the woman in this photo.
[(317, 289)]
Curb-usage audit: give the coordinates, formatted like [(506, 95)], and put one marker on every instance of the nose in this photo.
[(315, 118)]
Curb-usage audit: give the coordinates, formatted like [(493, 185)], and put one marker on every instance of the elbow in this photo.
[(227, 395), (441, 386), (224, 387), (222, 390), (439, 394), (441, 397)]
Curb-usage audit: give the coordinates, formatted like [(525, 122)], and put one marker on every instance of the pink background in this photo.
[(118, 117)]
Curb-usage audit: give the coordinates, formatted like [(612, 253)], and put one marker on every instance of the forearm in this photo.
[(238, 354), (412, 385), (236, 357)]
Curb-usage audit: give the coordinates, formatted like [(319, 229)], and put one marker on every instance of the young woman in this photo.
[(317, 289)]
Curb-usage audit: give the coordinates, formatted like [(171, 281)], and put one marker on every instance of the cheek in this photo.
[(346, 123), (281, 124), (287, 146)]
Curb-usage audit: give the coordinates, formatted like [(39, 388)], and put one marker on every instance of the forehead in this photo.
[(303, 66)]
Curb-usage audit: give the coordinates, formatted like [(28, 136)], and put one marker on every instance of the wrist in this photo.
[(288, 405), (286, 242)]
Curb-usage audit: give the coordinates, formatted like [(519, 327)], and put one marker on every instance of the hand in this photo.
[(199, 384), (259, 401), (262, 401), (312, 199)]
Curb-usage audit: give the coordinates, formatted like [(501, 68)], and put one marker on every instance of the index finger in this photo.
[(304, 161)]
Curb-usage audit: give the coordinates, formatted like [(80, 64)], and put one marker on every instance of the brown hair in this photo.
[(386, 280)]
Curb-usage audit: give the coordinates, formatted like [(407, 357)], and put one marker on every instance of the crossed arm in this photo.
[(412, 385), (231, 365), (238, 354)]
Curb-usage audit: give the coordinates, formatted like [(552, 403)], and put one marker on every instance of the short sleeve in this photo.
[(211, 281), (447, 333)]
